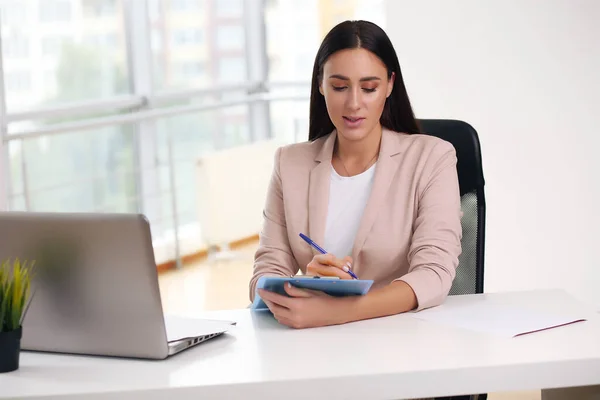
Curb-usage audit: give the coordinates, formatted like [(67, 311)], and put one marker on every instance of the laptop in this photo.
[(96, 288)]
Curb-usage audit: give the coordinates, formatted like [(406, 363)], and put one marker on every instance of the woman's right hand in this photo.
[(329, 265)]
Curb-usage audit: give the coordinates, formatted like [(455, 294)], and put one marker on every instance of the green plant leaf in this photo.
[(15, 286), (7, 307), (4, 296), (3, 304)]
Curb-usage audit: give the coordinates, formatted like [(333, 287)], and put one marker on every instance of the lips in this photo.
[(353, 119), (353, 122)]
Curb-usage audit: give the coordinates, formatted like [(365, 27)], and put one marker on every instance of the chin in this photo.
[(354, 135)]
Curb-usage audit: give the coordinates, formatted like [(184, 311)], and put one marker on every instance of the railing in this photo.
[(136, 152), (176, 230)]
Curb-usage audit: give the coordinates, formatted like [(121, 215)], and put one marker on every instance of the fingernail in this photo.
[(345, 268), (349, 265)]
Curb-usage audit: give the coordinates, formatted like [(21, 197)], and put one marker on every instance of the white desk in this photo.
[(387, 358)]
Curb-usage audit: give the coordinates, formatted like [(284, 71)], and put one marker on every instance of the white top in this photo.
[(348, 198), (396, 357)]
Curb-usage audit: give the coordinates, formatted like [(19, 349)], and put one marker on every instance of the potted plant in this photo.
[(15, 287)]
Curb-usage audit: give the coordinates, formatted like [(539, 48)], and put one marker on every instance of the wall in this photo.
[(526, 75)]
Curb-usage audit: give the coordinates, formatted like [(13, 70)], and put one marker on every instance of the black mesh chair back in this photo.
[(469, 274)]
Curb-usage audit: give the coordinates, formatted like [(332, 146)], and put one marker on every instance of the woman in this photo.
[(381, 198)]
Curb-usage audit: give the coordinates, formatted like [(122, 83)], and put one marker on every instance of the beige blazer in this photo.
[(410, 229)]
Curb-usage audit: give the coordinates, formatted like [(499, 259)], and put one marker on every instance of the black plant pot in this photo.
[(10, 350)]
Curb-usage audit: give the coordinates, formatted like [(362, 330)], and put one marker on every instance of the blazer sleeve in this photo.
[(274, 256), (437, 231)]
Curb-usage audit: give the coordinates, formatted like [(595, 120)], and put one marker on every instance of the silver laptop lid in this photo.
[(96, 286)]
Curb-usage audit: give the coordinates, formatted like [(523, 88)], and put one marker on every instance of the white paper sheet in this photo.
[(182, 328), (503, 320)]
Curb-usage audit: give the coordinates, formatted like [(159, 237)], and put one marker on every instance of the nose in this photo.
[(353, 99)]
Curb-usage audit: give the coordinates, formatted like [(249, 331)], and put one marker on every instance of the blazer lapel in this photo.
[(318, 191), (386, 168)]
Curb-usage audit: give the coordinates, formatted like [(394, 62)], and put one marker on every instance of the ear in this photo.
[(321, 88), (391, 84)]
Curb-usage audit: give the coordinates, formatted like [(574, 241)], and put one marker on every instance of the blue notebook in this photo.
[(333, 287)]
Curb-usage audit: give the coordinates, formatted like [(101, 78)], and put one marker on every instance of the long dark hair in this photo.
[(397, 113)]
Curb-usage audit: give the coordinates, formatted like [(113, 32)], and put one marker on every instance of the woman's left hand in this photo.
[(304, 308)]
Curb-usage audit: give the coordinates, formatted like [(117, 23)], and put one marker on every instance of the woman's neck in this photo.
[(360, 154)]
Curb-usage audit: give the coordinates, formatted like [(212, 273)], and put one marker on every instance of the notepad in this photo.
[(502, 320), (331, 286)]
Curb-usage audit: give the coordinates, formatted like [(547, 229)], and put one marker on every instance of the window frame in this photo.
[(144, 104)]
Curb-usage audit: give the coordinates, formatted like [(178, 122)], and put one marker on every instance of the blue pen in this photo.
[(320, 250)]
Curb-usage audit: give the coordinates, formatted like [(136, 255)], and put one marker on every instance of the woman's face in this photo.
[(355, 87)]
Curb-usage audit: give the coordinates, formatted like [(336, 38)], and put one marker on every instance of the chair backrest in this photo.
[(464, 138)]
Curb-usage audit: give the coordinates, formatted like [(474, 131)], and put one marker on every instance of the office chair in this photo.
[(469, 273)]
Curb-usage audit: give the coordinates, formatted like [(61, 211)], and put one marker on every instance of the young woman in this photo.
[(381, 198)]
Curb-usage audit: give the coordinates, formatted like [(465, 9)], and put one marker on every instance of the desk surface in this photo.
[(393, 357)]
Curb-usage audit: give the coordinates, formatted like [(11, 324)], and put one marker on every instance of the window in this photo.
[(55, 10), (12, 13), (95, 8), (338, 17), (16, 47), (292, 47), (189, 36), (51, 45), (17, 81), (304, 63), (192, 136), (230, 37), (186, 5), (190, 46), (229, 8), (373, 10), (236, 132), (73, 51), (104, 40), (82, 171), (155, 9), (191, 70), (87, 59), (232, 69), (298, 29), (50, 81), (306, 23)]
